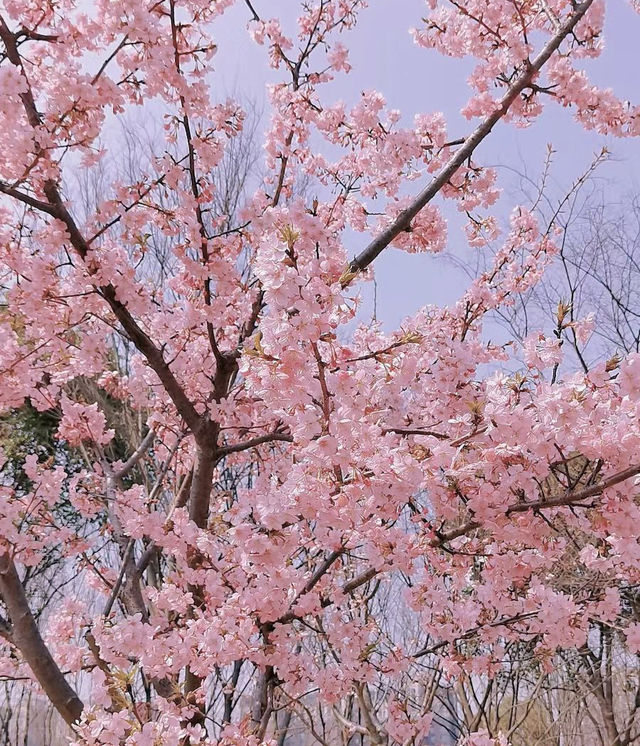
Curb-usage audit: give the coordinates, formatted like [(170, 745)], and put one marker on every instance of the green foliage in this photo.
[(26, 431)]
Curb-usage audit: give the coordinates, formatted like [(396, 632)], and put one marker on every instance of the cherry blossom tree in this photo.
[(296, 474)]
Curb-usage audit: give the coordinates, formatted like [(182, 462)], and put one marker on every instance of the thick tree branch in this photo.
[(27, 639), (27, 199), (201, 483), (417, 431)]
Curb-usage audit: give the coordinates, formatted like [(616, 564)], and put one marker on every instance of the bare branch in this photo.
[(126, 562)]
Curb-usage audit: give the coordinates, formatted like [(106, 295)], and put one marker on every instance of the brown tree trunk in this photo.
[(27, 639)]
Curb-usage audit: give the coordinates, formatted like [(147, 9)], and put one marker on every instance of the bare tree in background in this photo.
[(597, 271)]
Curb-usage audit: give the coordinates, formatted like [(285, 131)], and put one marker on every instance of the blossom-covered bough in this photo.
[(312, 509)]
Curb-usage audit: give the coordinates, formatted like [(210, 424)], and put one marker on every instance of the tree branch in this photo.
[(27, 639), (470, 633), (403, 221), (136, 455), (571, 497), (27, 199), (259, 440)]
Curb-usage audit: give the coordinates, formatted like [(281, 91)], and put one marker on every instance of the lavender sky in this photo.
[(413, 80)]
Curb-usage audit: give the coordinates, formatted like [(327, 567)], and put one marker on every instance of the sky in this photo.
[(414, 79)]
